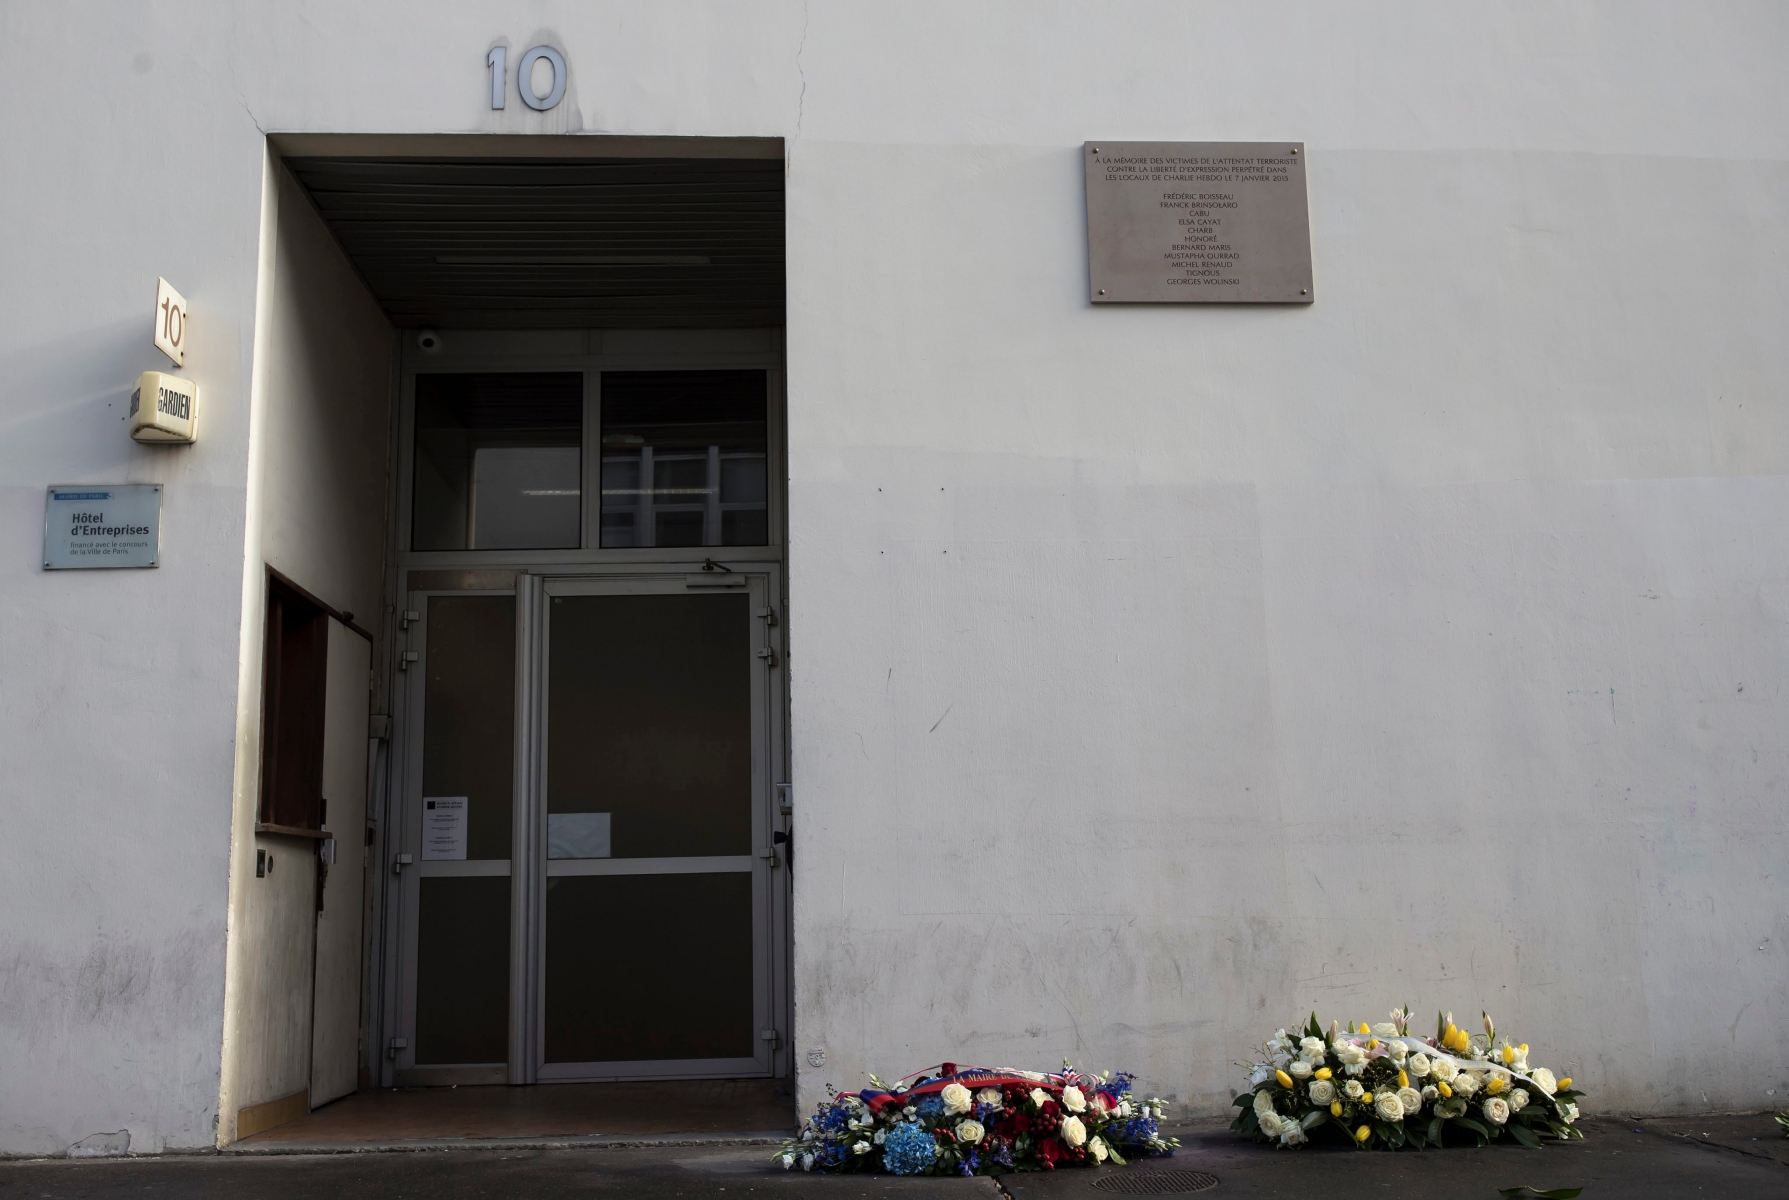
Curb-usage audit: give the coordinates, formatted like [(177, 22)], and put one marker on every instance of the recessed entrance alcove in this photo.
[(576, 842)]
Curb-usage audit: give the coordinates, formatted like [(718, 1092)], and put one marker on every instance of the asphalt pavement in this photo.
[(1703, 1158)]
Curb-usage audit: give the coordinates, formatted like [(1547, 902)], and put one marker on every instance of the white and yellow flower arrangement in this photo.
[(1383, 1089)]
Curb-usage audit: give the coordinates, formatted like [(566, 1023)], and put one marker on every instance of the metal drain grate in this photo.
[(1155, 1183)]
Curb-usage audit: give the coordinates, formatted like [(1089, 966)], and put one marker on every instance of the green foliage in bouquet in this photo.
[(1382, 1089)]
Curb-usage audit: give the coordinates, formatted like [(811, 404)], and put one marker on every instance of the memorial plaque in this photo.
[(102, 525), (1197, 222)]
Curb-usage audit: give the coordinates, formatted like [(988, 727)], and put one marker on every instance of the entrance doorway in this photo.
[(578, 838), (589, 824)]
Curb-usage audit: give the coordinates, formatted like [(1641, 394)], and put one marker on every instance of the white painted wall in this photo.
[(1270, 663), (317, 470)]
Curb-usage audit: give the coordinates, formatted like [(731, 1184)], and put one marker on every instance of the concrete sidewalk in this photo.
[(1700, 1157)]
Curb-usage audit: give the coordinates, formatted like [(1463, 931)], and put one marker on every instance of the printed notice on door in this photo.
[(443, 827), (1198, 222)]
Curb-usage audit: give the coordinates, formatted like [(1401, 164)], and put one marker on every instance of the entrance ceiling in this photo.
[(589, 243)]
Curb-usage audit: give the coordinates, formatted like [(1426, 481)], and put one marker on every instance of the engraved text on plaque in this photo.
[(1197, 222)]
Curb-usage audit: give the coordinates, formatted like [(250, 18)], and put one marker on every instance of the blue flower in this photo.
[(908, 1150), (930, 1107)]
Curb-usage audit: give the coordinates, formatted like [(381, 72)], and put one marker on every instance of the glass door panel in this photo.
[(462, 828), (654, 919)]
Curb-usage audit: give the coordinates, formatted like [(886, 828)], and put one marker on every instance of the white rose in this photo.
[(1543, 1079), (1353, 1088), (1429, 1093), (1385, 1029), (1398, 1051), (1270, 1124), (1312, 1048), (970, 1131), (1073, 1100), (1445, 1070), (1323, 1093), (1569, 1111), (1418, 1065), (1097, 1148), (1496, 1110), (1388, 1107), (989, 1097), (1466, 1084), (956, 1099), (1518, 1099), (1300, 1069), (1124, 1106), (1073, 1132), (1292, 1134), (1411, 1099), (861, 1148), (1263, 1102), (1039, 1097)]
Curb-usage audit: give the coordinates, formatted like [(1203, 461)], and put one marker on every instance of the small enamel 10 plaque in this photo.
[(1197, 223)]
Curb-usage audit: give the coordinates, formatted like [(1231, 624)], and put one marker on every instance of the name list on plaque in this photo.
[(1198, 222)]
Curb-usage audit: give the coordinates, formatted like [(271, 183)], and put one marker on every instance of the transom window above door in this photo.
[(684, 459), (499, 461)]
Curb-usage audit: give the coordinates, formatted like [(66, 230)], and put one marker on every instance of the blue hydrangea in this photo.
[(930, 1107), (908, 1150)]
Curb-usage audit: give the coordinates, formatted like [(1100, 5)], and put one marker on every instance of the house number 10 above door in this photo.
[(497, 61)]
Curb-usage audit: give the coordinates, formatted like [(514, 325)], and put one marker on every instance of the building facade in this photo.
[(677, 577)]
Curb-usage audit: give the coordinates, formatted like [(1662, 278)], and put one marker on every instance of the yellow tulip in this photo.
[(1285, 1079), (1363, 1133), (1447, 1035), (1446, 1092), (1365, 1028), (1566, 1082), (1325, 1073), (1509, 1054), (1496, 1085), (1403, 1079), (1524, 1047), (1372, 1043), (1366, 1097), (1335, 1108)]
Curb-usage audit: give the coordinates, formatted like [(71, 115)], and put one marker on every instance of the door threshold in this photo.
[(697, 1111), (259, 1146)]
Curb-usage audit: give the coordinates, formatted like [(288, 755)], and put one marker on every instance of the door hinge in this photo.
[(772, 1036), (785, 798), (411, 616), (392, 1047), (769, 854), (406, 658), (400, 862), (767, 615), (768, 655)]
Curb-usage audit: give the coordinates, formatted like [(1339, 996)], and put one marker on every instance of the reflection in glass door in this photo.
[(654, 954)]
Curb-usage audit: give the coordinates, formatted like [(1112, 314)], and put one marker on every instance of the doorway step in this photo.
[(751, 1111)]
